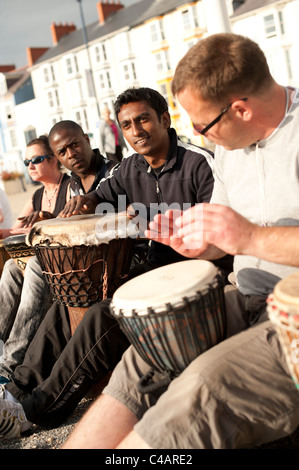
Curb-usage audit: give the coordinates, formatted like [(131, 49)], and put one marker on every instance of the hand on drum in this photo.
[(220, 226), (165, 229), (80, 205), (203, 231), (35, 216)]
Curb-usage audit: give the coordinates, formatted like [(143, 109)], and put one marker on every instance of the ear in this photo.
[(87, 138), (166, 119), (242, 109)]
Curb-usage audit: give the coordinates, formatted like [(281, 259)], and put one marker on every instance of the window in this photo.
[(30, 134), (81, 119), (270, 28), (71, 64), (281, 22), (53, 98), (57, 98), (288, 63), (49, 74), (100, 53), (105, 81), (129, 71), (8, 112), (162, 61), (187, 19), (46, 75), (52, 73), (50, 99), (163, 91), (157, 31), (13, 138)]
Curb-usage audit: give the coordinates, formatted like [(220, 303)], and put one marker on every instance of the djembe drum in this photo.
[(171, 315), (17, 248), (283, 311), (4, 256), (84, 258)]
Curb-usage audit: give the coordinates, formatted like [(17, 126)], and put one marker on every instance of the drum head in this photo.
[(160, 286), (82, 230), (15, 240)]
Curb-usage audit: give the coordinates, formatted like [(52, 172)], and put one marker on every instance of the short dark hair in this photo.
[(152, 97), (66, 124)]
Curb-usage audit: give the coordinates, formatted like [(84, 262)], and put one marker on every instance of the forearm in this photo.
[(275, 244)]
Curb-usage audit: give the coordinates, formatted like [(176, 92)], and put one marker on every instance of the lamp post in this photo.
[(88, 55)]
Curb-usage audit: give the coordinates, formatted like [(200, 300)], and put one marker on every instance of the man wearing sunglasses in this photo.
[(239, 393)]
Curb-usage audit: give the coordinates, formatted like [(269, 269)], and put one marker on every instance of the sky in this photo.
[(26, 23)]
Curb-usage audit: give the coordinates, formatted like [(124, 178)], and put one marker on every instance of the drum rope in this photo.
[(74, 270)]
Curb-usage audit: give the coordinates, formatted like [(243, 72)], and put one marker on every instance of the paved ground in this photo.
[(18, 200), (42, 438)]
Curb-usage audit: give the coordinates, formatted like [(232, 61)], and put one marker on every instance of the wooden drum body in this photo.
[(172, 314), (283, 311), (4, 256), (83, 260)]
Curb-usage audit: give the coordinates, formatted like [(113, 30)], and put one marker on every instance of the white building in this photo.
[(139, 45)]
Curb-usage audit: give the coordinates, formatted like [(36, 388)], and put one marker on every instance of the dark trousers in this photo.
[(59, 369)]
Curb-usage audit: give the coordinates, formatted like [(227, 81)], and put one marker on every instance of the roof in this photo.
[(126, 18), (250, 5)]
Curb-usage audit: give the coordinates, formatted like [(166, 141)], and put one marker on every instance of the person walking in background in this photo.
[(111, 140)]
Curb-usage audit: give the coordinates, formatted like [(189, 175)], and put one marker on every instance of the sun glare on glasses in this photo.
[(202, 131), (35, 160)]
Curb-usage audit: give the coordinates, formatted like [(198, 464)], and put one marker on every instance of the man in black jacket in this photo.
[(164, 170)]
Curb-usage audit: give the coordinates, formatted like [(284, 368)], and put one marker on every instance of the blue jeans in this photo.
[(24, 301)]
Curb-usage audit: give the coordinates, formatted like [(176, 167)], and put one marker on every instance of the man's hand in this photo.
[(216, 225), (165, 228), (80, 205)]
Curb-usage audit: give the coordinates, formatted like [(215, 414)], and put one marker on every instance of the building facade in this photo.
[(139, 45)]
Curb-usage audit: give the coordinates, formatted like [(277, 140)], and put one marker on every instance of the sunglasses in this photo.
[(35, 160), (201, 131)]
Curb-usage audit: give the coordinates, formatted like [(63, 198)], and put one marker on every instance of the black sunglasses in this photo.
[(217, 119), (35, 160)]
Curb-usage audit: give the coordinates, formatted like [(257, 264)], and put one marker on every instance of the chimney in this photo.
[(105, 9), (34, 53), (6, 68), (59, 30)]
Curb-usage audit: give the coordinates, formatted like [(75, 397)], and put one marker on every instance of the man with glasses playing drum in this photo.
[(239, 393)]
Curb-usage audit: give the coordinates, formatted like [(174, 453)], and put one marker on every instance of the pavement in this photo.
[(18, 200)]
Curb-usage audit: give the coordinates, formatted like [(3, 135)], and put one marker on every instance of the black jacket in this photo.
[(185, 180), (104, 168)]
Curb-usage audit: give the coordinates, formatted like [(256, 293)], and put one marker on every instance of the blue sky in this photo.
[(26, 23)]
